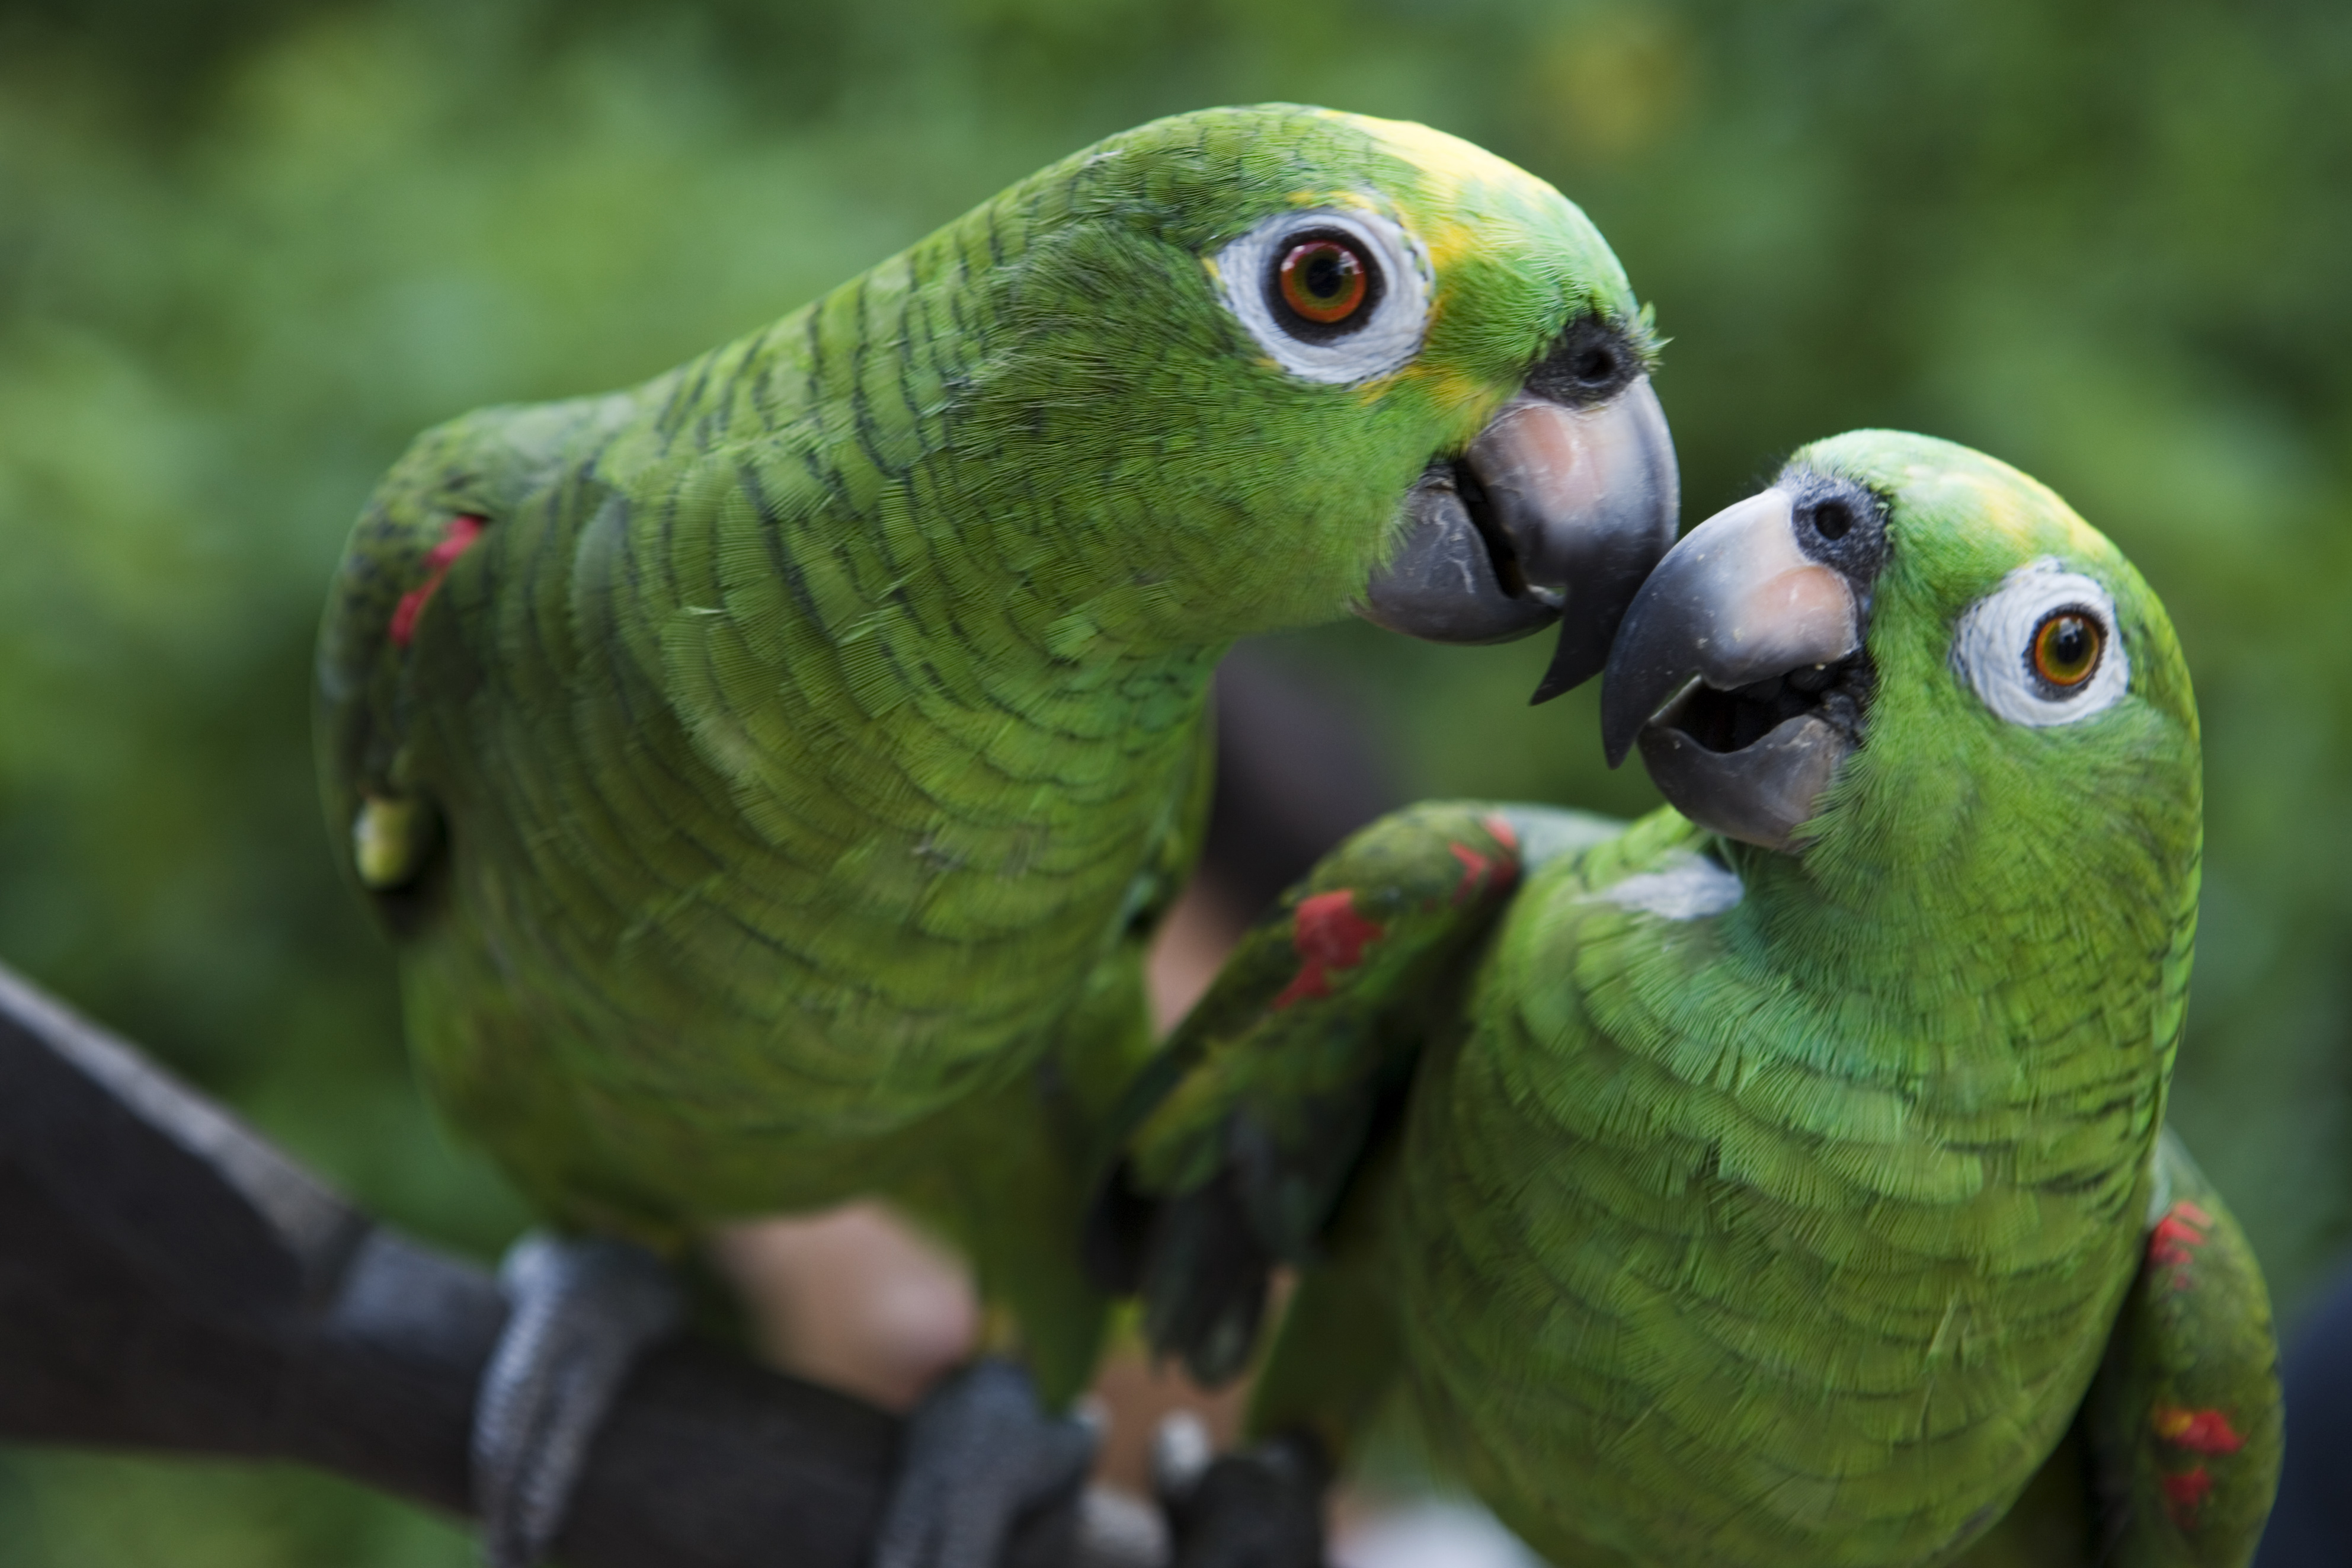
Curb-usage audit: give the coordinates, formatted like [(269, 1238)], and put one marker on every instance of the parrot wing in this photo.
[(1243, 1132), (453, 485), (2184, 1420)]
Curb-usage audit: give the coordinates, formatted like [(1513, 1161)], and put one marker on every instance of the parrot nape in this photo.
[(770, 775), (1780, 1180)]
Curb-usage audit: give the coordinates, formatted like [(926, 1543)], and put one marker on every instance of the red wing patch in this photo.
[(1329, 934), (1475, 869), (2173, 1243), (464, 528), (1487, 874), (2183, 1493), (2199, 1431)]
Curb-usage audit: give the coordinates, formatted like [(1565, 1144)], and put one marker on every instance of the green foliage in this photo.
[(247, 249), (84, 1511)]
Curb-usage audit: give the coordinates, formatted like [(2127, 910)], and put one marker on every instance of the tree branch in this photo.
[(168, 1280)]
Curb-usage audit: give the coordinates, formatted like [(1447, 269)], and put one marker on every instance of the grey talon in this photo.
[(979, 1453), (579, 1314)]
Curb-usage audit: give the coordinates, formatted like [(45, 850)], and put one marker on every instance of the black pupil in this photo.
[(1595, 365), (1832, 521), (1326, 271), (2070, 642)]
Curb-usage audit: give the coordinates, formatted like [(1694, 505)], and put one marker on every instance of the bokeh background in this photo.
[(247, 249)]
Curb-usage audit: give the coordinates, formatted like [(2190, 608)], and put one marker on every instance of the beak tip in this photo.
[(1622, 715), (1619, 732), (1581, 653)]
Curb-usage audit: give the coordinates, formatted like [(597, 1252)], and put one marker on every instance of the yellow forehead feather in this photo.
[(1451, 164), (1452, 171), (2018, 508)]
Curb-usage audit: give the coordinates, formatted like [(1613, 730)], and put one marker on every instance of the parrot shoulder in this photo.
[(1242, 1135), (2184, 1421)]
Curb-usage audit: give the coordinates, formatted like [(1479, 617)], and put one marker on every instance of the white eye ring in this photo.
[(1399, 312), (1993, 647)]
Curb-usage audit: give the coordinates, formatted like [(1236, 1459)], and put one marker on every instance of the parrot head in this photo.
[(1265, 364), (1904, 645)]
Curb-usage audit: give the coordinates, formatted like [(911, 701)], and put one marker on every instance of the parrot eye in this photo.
[(2040, 650), (1324, 282), (1332, 296), (2066, 648)]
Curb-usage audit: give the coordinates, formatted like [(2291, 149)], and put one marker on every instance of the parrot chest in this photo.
[(1704, 1316)]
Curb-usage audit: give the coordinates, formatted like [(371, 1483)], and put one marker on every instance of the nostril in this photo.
[(1587, 364)]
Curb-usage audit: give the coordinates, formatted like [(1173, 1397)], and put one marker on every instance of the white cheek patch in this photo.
[(1386, 343), (1992, 648)]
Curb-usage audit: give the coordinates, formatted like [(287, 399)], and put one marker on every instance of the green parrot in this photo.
[(770, 775), (1780, 1180)]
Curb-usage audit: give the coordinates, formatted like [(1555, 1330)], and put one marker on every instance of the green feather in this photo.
[(815, 732), (1793, 1230)]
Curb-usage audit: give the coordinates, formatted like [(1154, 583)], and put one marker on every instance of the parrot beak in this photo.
[(1553, 513), (1736, 667)]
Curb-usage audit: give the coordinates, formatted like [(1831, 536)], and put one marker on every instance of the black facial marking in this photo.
[(1588, 364), (1839, 523)]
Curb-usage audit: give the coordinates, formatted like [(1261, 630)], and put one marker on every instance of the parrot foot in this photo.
[(1260, 1508), (979, 1454), (579, 1314)]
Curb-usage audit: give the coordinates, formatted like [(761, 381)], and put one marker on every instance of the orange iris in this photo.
[(1324, 280), (2066, 648)]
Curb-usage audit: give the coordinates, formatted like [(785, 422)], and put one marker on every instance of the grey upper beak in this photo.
[(1552, 513), (1739, 602)]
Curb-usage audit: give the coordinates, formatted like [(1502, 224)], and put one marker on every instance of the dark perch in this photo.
[(168, 1281)]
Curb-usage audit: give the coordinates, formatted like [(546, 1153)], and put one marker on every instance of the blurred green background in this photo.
[(247, 249)]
